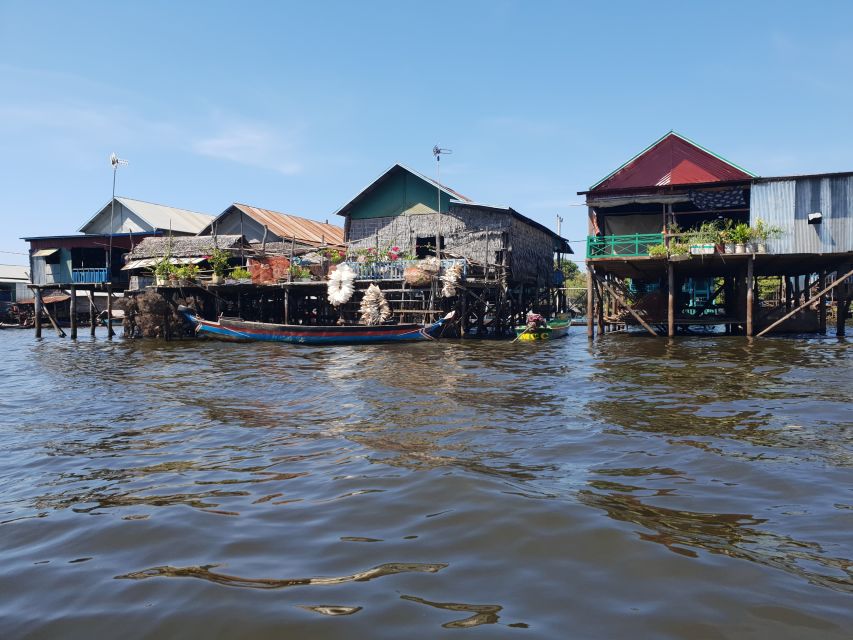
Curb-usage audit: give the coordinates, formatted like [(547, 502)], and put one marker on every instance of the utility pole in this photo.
[(116, 162), (437, 151)]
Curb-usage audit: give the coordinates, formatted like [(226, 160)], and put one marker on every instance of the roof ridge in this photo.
[(157, 204)]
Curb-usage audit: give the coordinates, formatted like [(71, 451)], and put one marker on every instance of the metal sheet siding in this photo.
[(787, 203)]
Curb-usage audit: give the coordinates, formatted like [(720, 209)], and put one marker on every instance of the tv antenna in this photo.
[(437, 151), (115, 162)]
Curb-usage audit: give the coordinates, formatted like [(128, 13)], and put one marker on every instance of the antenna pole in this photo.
[(112, 209), (438, 207)]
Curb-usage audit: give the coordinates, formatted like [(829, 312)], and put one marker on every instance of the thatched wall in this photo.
[(475, 233)]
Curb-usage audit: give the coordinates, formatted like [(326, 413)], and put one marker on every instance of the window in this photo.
[(425, 246)]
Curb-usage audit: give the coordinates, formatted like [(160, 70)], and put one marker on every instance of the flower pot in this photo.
[(160, 281), (761, 248), (730, 247), (216, 279), (740, 247)]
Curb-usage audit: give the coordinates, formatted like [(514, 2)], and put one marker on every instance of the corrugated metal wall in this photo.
[(787, 203)]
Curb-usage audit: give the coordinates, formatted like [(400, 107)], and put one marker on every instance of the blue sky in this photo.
[(297, 106)]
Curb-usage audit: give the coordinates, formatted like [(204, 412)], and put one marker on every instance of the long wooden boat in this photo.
[(237, 330), (553, 329)]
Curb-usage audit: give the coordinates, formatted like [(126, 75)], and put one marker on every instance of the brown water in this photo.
[(642, 488)]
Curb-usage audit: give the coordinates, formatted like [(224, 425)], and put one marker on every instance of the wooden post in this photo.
[(806, 303), (821, 305), (110, 332), (93, 320), (670, 309), (590, 328), (56, 326), (72, 312), (749, 294), (599, 305), (287, 306), (37, 310), (842, 309), (463, 327)]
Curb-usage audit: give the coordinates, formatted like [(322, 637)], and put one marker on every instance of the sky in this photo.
[(297, 106)]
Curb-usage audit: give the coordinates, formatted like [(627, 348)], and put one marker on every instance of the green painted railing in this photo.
[(622, 246)]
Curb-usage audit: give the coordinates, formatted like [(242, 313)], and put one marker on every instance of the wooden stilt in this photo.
[(110, 332), (750, 284), (630, 310), (842, 311), (590, 328), (834, 284), (53, 322), (37, 309), (670, 310), (821, 305), (93, 320), (599, 306), (72, 312)]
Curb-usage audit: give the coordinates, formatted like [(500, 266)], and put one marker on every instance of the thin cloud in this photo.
[(252, 145)]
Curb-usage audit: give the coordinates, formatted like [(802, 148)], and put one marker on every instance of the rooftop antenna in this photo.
[(116, 162), (437, 151), (559, 253)]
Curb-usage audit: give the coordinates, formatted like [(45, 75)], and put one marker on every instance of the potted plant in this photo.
[(679, 250), (187, 274), (741, 235), (299, 273), (657, 251), (163, 271), (762, 232), (218, 260), (241, 275)]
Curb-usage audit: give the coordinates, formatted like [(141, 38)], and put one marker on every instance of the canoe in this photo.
[(551, 331), (237, 330)]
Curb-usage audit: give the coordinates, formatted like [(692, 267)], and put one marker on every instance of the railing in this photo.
[(89, 276), (393, 269), (631, 246)]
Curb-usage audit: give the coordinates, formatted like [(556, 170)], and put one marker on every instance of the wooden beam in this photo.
[(821, 305), (72, 312), (56, 326), (750, 295), (834, 284), (670, 309), (630, 309)]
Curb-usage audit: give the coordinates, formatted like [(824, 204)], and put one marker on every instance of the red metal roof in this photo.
[(672, 160), (288, 226)]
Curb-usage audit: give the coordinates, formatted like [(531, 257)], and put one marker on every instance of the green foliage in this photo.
[(218, 260), (187, 272), (657, 251), (164, 267), (240, 273), (570, 269), (741, 233), (677, 248), (335, 256), (299, 273), (763, 231)]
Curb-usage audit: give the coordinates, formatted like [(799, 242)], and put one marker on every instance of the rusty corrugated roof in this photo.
[(288, 226)]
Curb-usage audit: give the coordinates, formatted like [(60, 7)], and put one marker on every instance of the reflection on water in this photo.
[(205, 573), (624, 487), (480, 613)]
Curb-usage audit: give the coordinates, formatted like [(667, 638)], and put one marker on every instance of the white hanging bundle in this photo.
[(451, 278), (374, 307), (341, 285)]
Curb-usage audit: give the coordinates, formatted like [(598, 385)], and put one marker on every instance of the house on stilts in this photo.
[(681, 238)]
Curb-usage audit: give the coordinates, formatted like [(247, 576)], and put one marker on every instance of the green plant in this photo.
[(741, 233), (218, 260), (164, 268), (187, 272), (299, 273), (763, 231), (707, 233), (677, 248), (240, 273), (335, 256), (657, 251)]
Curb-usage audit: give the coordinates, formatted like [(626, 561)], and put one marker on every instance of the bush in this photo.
[(240, 273)]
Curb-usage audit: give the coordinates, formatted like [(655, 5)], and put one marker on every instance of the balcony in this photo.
[(393, 269), (89, 276), (631, 246)]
